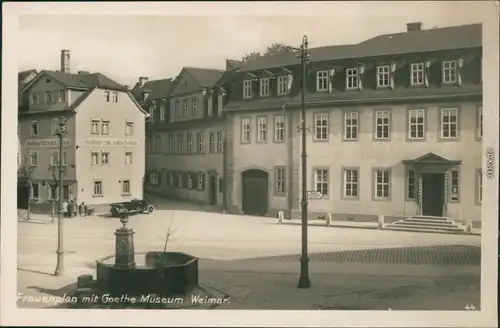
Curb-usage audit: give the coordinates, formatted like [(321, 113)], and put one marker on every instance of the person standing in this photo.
[(71, 208)]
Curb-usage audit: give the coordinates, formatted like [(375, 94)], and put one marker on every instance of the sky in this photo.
[(159, 43)]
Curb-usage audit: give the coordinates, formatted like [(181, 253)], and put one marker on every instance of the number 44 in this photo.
[(470, 307)]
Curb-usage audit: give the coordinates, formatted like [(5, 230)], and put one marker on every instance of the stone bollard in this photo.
[(468, 227), (381, 223), (328, 219), (281, 217)]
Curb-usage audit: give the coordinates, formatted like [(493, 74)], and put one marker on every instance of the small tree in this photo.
[(166, 238), (273, 49), (25, 171)]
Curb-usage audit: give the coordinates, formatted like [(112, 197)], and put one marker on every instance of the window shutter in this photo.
[(392, 75), (331, 75), (290, 81), (427, 72), (460, 64), (203, 181)]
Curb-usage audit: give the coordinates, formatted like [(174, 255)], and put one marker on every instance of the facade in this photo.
[(103, 150), (185, 136), (394, 127)]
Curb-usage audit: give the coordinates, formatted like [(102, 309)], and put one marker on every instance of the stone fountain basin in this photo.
[(179, 270)]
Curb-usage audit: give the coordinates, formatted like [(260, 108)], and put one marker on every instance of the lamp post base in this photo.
[(60, 266), (304, 282)]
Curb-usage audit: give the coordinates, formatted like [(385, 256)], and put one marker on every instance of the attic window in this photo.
[(185, 84), (48, 81)]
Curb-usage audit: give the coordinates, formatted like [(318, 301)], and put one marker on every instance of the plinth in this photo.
[(124, 250)]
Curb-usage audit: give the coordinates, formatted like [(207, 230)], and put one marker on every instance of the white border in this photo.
[(11, 315)]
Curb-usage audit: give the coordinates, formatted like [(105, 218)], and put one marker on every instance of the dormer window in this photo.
[(450, 71), (152, 111), (322, 81), (220, 103), (383, 76), (34, 97), (352, 78), (185, 107), (264, 87), (417, 74), (210, 104), (282, 85), (62, 95), (48, 97), (247, 89)]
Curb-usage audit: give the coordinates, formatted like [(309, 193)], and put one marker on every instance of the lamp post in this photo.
[(61, 132)]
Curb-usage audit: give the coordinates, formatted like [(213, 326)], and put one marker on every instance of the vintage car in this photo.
[(135, 206)]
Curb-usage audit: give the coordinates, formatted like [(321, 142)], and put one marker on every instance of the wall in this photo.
[(200, 107), (111, 175), (42, 85)]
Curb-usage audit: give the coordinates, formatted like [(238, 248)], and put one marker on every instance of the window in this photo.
[(352, 78), (264, 87), (94, 127), (200, 142), (162, 112), (53, 191), (200, 179), (55, 126), (454, 185), (282, 85), (129, 128), (104, 158), (479, 128), (351, 125), (153, 178), (62, 95), (34, 129), (115, 97), (48, 97), (126, 187), (193, 107), (66, 192), (383, 76), (220, 104), (105, 127), (279, 128), (177, 109), (280, 180), (382, 124), (321, 181), (382, 184), (247, 89), (54, 158), (33, 158), (157, 144), (34, 98), (245, 130), (262, 129), (211, 141), (417, 73), (416, 124), (149, 144), (220, 141), (152, 111), (185, 107), (128, 157), (450, 71), (189, 142), (479, 188), (97, 188), (449, 123), (322, 81), (171, 144), (95, 158), (180, 143), (35, 192), (321, 126), (411, 185), (107, 96), (351, 183)]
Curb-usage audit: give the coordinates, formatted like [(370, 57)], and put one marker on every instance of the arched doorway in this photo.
[(255, 192)]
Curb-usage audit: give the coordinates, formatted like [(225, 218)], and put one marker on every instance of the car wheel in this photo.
[(138, 209), (150, 209)]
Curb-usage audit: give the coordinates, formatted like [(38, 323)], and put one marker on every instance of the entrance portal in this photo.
[(432, 194), (255, 192)]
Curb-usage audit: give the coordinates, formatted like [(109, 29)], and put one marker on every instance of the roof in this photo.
[(445, 38), (24, 74), (226, 77), (206, 77), (231, 63), (81, 81), (157, 89), (21, 83)]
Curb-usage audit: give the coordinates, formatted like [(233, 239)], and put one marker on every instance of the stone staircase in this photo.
[(427, 224)]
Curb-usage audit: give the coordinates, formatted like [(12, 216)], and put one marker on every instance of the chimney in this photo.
[(65, 68), (143, 80), (411, 27)]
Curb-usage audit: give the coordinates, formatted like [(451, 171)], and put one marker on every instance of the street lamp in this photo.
[(61, 132)]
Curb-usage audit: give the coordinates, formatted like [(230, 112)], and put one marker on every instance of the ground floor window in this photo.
[(154, 178), (53, 192), (66, 192), (321, 181), (280, 181), (411, 183), (382, 184), (35, 193), (98, 188), (454, 185), (200, 180), (351, 183), (126, 187)]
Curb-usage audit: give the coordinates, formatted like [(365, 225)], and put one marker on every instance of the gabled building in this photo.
[(103, 151), (394, 127)]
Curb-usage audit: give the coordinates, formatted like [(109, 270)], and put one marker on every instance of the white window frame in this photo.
[(381, 179), (383, 76), (282, 85), (54, 158), (105, 158), (321, 130), (152, 111), (262, 129), (189, 140), (115, 96), (452, 112), (350, 182), (94, 158), (33, 158), (280, 180), (220, 141), (126, 190), (382, 125), (351, 130), (417, 73), (129, 157), (185, 108), (172, 144), (100, 192), (48, 97), (193, 107), (129, 128), (417, 115), (157, 144), (34, 98), (322, 83), (107, 96), (454, 185), (95, 127), (105, 127), (153, 178), (450, 71), (200, 142), (246, 130), (321, 181), (55, 126), (180, 143), (210, 106), (411, 184), (211, 142), (247, 89), (279, 128), (199, 180), (220, 104), (34, 129), (162, 111), (62, 95), (352, 78), (265, 88)]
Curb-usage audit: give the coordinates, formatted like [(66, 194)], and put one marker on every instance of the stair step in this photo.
[(412, 229), (427, 227), (441, 218), (428, 221), (429, 224)]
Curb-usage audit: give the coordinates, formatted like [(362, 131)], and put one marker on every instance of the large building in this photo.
[(185, 136), (103, 151), (394, 127)]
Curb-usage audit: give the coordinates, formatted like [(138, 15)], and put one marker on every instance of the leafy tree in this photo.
[(273, 49), (250, 56)]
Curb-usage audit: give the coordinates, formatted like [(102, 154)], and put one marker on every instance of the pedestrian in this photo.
[(71, 208), (82, 209)]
